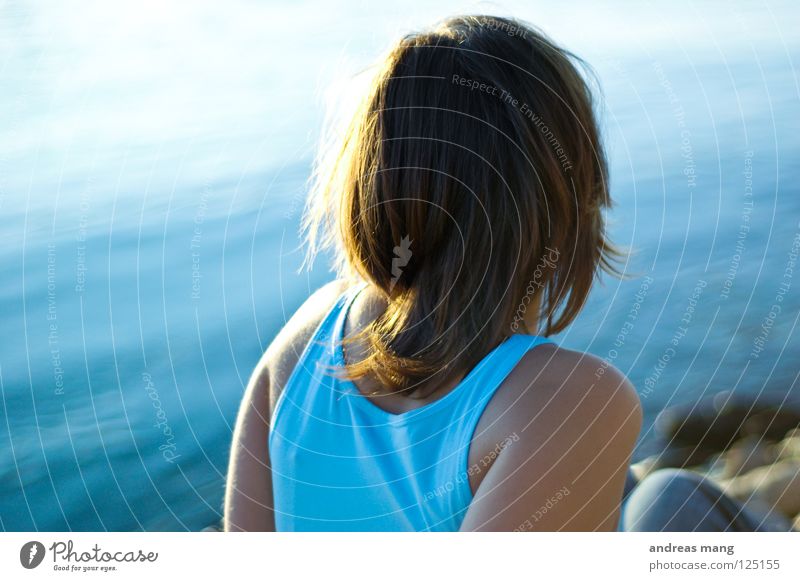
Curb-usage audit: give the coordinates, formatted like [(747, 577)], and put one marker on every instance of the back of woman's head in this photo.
[(468, 190)]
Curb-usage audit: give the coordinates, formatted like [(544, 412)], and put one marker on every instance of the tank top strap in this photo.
[(333, 331), (317, 356), (489, 374)]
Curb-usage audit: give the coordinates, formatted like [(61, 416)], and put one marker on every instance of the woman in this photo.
[(419, 391)]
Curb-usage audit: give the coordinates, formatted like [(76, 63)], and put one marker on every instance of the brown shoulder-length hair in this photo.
[(467, 190)]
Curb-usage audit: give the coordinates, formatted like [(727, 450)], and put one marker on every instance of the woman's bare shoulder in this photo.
[(280, 358), (560, 377), (553, 388), (562, 421)]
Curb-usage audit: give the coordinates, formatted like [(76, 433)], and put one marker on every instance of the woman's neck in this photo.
[(368, 306)]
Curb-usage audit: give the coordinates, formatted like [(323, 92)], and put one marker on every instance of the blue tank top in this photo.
[(341, 463)]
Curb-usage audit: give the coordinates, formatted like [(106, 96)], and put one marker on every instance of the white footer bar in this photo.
[(393, 556)]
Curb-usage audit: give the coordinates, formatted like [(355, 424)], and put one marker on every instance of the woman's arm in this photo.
[(248, 494), (569, 446)]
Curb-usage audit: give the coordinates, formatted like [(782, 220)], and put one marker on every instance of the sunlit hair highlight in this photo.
[(469, 186)]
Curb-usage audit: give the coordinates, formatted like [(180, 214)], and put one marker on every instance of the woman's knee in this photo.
[(671, 483), (667, 498)]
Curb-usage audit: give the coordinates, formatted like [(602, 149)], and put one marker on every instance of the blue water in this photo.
[(153, 167)]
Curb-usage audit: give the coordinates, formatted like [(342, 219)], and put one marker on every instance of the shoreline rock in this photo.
[(750, 447)]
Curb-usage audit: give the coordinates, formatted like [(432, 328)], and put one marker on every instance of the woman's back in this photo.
[(340, 462)]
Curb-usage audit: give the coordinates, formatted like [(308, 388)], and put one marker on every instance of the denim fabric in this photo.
[(673, 500)]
